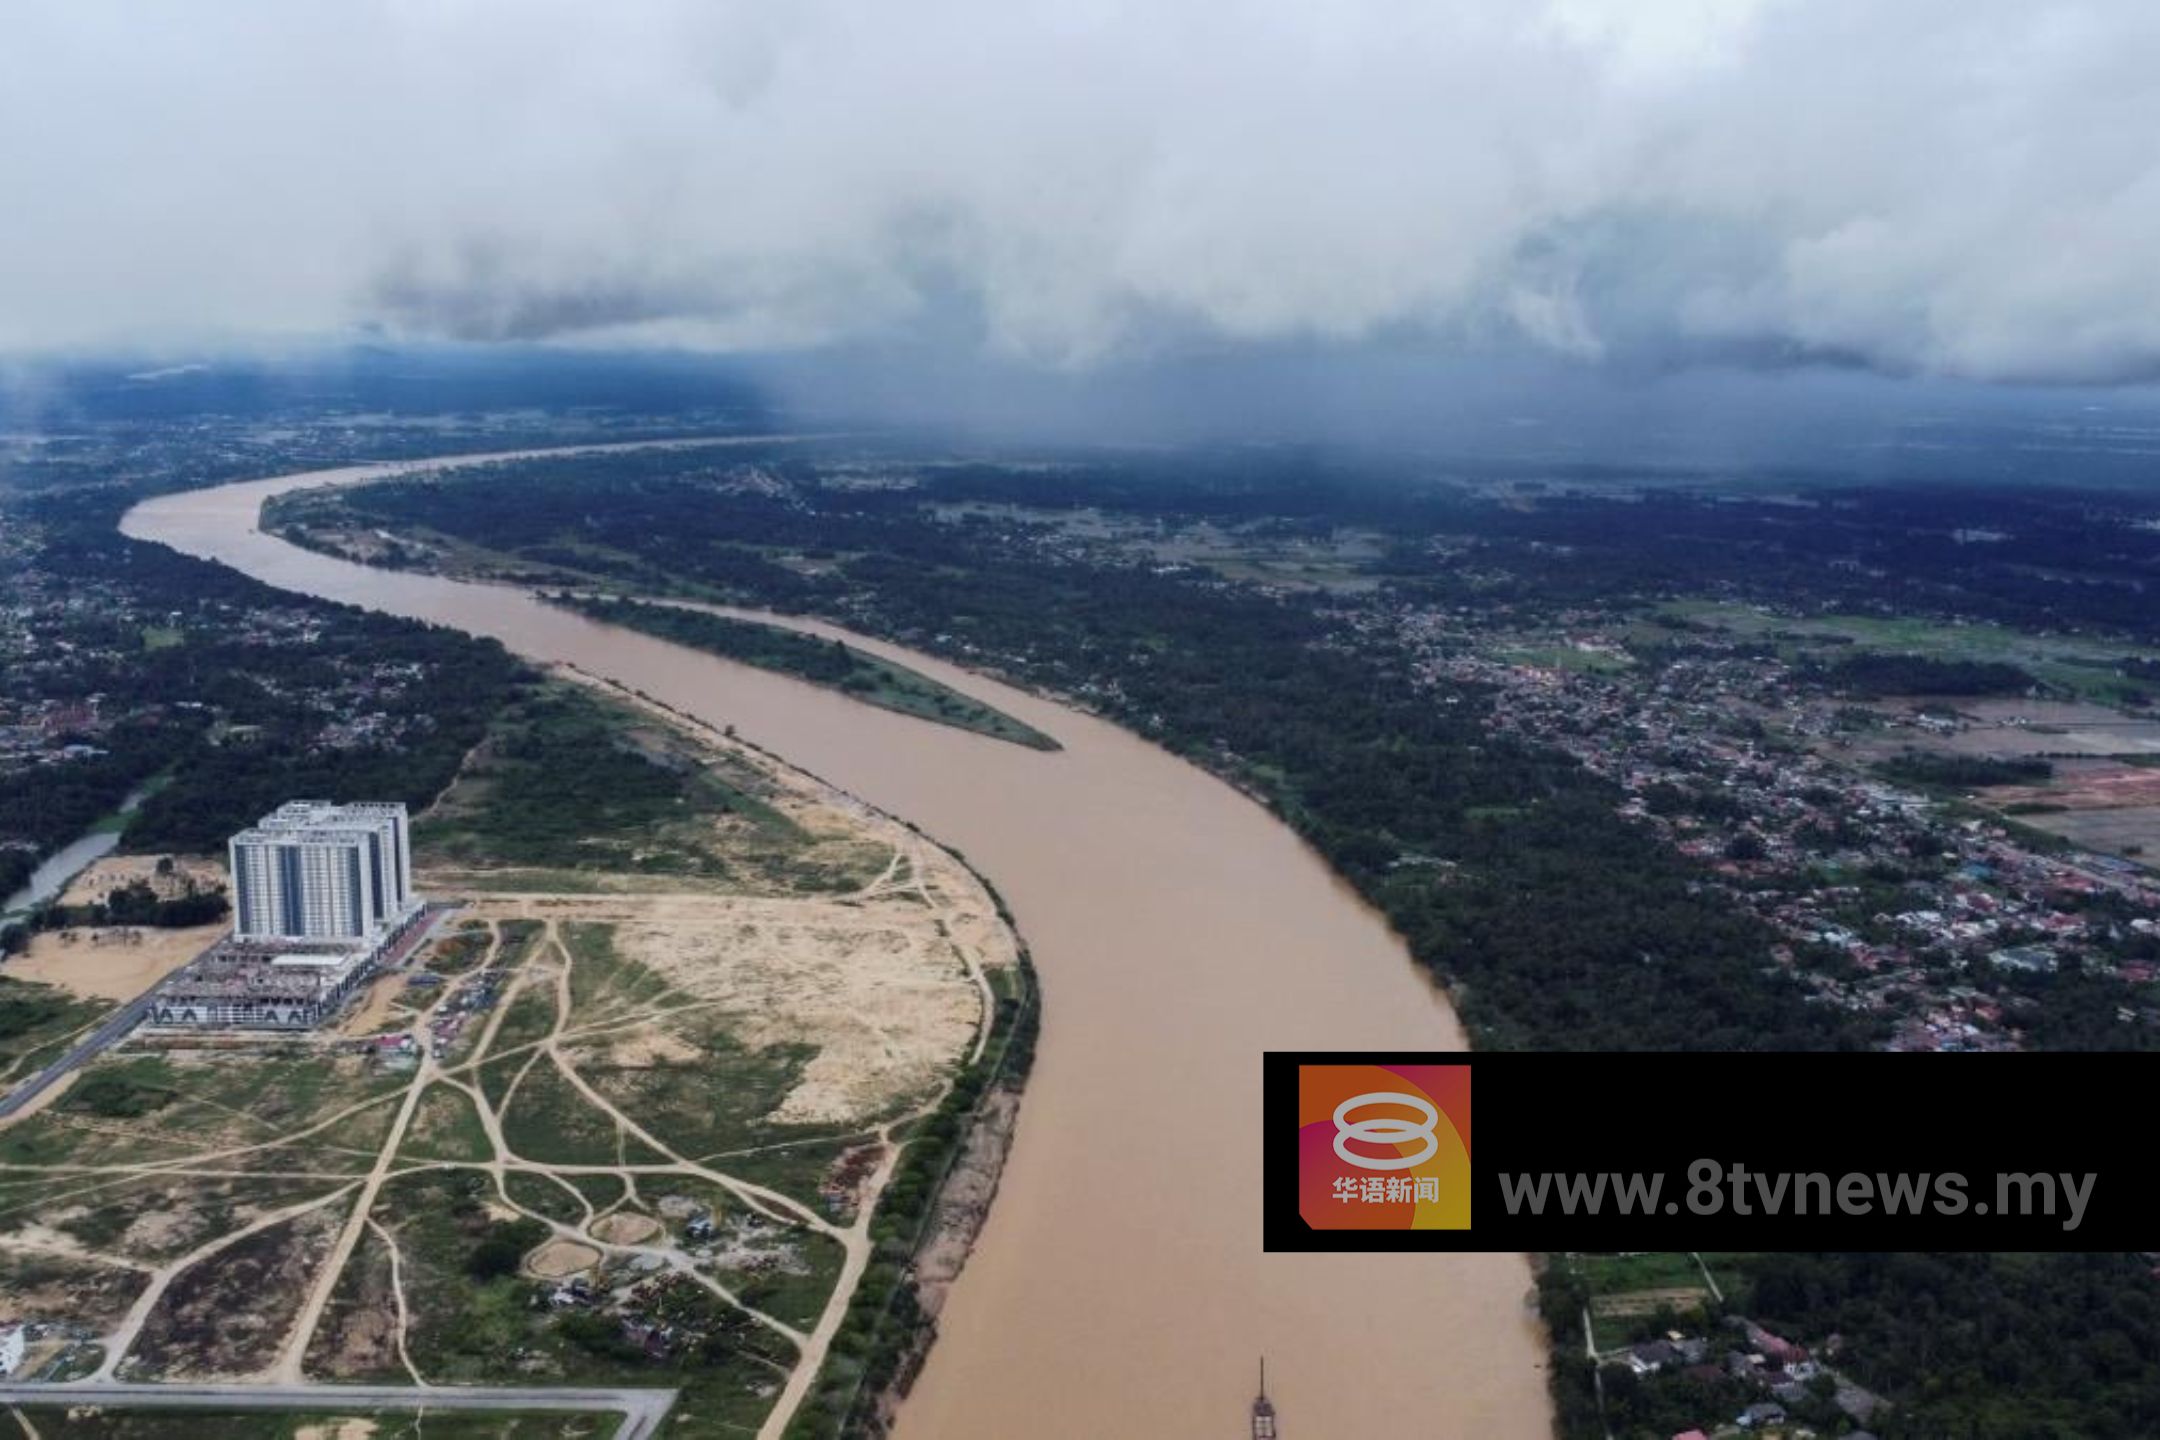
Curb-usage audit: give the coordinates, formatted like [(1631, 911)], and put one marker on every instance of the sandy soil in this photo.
[(965, 1203), (2087, 787), (373, 1011), (884, 997), (44, 1098), (642, 1049), (625, 1228), (101, 877), (348, 1429), (110, 964), (886, 982), (560, 1259)]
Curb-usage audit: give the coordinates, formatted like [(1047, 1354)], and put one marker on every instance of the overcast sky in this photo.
[(1962, 187)]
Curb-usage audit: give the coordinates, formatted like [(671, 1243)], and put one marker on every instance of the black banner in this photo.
[(1610, 1152)]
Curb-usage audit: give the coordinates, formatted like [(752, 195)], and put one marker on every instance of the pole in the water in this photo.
[(1263, 1409)]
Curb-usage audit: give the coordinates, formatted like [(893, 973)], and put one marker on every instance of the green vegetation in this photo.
[(36, 1018), (446, 1127), (529, 1017), (884, 1324), (138, 903), (1992, 1347), (545, 1195), (227, 657), (603, 983), (502, 1247), (470, 1316), (576, 791), (831, 663), (117, 1093), (2072, 664), (1874, 674), (1557, 922), (1936, 771), (568, 781), (550, 1122)]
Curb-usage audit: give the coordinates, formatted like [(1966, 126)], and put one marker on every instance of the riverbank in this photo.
[(1179, 930)]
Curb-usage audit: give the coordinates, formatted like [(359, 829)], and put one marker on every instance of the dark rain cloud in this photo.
[(1957, 187)]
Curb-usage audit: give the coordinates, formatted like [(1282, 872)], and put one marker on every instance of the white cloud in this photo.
[(1962, 186)]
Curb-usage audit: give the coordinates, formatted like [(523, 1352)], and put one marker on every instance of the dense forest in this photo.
[(1557, 923), (832, 663), (1872, 674), (233, 722), (1992, 1347), (1970, 1346)]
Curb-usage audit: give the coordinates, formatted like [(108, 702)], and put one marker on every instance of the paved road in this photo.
[(121, 1021), (116, 1025), (642, 1410)]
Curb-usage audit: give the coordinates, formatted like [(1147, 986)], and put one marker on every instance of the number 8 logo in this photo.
[(1386, 1130)]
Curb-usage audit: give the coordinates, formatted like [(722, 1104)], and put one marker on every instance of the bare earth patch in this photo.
[(227, 1314), (560, 1259), (110, 962), (102, 876), (373, 1012), (354, 1428), (625, 1228)]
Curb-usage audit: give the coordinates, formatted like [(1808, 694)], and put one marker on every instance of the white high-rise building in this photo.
[(312, 870)]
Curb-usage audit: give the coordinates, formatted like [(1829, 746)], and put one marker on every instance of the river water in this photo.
[(50, 879), (1119, 1288)]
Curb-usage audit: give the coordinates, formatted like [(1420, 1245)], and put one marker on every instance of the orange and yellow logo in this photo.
[(1384, 1147)]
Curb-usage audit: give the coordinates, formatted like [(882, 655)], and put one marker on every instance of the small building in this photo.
[(248, 985), (14, 1343), (1651, 1357)]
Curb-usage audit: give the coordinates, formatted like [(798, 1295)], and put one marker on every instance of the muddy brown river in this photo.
[(1119, 1288)]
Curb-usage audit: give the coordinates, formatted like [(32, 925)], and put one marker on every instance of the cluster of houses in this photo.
[(1783, 1373), (1715, 753), (58, 632), (659, 1310)]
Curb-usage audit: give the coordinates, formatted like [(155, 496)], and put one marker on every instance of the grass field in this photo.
[(1628, 1292), (36, 1022), (2074, 664), (834, 664)]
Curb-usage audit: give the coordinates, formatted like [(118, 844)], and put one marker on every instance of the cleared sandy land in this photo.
[(347, 1429), (101, 877), (2087, 786), (559, 1259), (44, 1098), (373, 1010), (109, 963), (886, 981), (625, 1229)]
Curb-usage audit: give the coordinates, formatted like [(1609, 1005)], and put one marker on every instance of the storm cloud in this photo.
[(1957, 187)]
